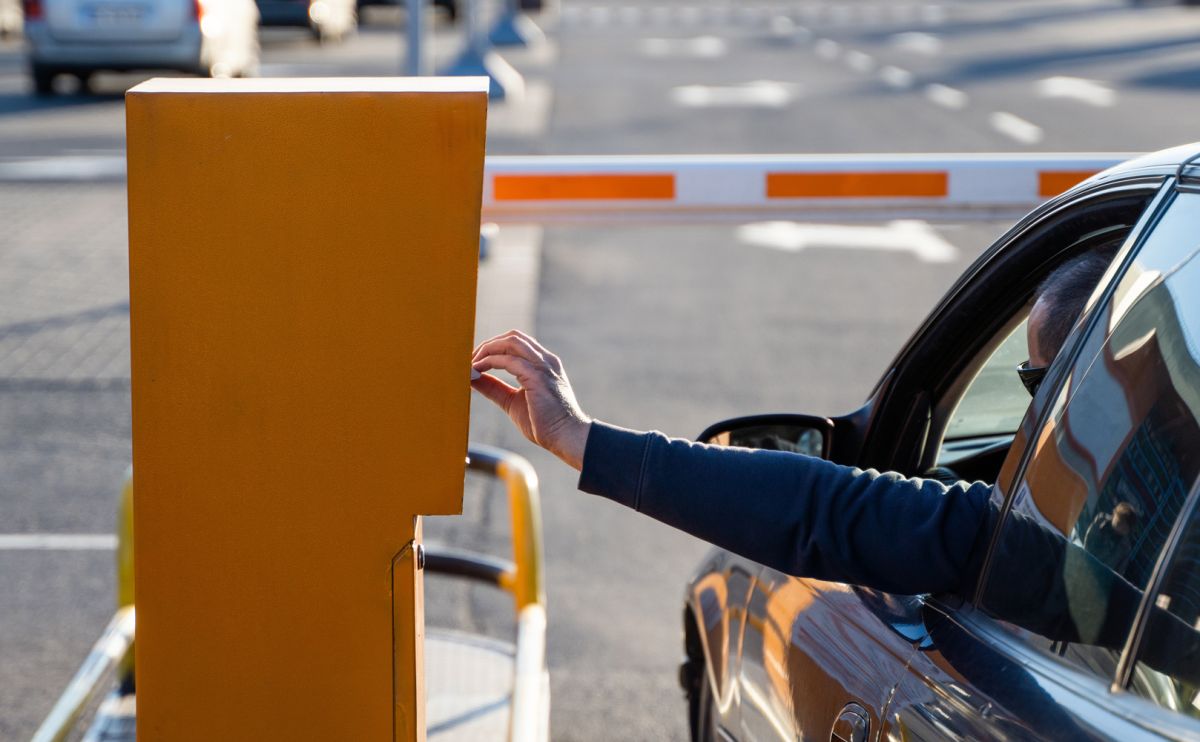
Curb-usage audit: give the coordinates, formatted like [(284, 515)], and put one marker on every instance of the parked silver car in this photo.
[(79, 37)]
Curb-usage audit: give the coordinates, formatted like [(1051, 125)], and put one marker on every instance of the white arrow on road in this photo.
[(1076, 88), (760, 94), (902, 235)]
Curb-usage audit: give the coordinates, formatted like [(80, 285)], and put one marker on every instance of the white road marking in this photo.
[(917, 43), (946, 96), (827, 49), (904, 235), (701, 47), (1015, 127), (758, 94), (860, 61), (80, 167), (57, 542), (782, 26), (1076, 88), (896, 77)]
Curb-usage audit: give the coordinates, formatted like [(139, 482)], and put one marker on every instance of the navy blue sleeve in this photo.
[(797, 514)]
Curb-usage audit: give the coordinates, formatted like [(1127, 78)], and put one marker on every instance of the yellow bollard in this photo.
[(303, 258)]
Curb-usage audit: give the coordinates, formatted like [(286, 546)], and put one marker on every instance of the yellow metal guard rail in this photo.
[(524, 578)]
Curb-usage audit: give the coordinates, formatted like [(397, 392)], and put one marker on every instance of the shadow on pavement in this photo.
[(1183, 78), (1020, 63)]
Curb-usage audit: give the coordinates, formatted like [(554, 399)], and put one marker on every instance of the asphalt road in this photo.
[(667, 327)]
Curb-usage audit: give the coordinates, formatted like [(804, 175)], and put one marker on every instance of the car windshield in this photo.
[(995, 401)]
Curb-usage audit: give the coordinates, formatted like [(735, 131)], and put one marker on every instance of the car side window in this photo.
[(995, 400), (1113, 463), (1167, 669)]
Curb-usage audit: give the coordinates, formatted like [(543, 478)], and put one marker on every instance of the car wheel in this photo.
[(704, 727), (43, 79)]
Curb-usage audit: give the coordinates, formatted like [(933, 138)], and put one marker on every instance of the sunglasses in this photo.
[(1031, 378)]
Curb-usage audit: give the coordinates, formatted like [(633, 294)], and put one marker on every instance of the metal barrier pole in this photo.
[(106, 655), (415, 64), (479, 60), (514, 28)]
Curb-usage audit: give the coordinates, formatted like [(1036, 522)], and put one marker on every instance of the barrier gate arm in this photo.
[(610, 189)]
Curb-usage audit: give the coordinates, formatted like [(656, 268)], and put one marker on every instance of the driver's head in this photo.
[(1060, 300)]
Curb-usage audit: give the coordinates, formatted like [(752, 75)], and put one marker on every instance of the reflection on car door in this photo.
[(813, 651)]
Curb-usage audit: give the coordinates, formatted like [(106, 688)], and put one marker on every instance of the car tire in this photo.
[(43, 79), (705, 722)]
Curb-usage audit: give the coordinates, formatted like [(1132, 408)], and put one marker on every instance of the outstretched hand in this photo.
[(543, 407)]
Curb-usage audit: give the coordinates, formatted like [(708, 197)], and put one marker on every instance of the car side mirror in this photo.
[(806, 434)]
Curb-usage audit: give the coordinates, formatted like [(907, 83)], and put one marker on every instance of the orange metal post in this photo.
[(302, 278)]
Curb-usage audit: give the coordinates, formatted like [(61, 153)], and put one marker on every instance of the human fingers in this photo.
[(495, 390), (550, 357), (510, 345), (524, 371)]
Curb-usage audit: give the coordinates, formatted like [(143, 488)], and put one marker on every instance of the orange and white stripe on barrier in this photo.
[(724, 187)]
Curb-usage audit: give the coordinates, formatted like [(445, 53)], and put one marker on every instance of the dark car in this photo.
[(1084, 623)]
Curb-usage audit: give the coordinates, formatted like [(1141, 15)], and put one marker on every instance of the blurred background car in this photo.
[(327, 19), (11, 19), (81, 37)]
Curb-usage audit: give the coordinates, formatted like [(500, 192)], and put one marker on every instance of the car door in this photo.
[(820, 660), (1089, 504)]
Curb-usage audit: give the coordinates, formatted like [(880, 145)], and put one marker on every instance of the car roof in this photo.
[(1163, 162)]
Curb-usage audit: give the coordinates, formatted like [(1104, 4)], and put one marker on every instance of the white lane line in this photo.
[(827, 49), (701, 47), (57, 542), (83, 168), (896, 77), (860, 61), (758, 94), (1015, 127), (903, 235), (782, 27), (917, 43), (946, 96), (1090, 92)]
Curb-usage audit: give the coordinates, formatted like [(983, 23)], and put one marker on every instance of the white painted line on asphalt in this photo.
[(827, 49), (69, 168), (904, 235), (57, 542), (946, 96), (860, 61), (896, 77), (782, 27), (1015, 127), (917, 43), (758, 94), (701, 47), (1090, 92)]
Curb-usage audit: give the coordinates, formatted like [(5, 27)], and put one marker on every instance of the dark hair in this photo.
[(1065, 292)]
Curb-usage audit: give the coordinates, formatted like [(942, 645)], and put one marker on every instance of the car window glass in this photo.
[(1111, 467), (1167, 670), (995, 401)]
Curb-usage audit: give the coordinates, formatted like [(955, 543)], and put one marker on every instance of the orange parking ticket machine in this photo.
[(303, 259)]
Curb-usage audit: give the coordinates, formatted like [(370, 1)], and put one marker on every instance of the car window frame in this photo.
[(1042, 406), (903, 425)]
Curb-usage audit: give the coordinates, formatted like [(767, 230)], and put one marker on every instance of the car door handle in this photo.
[(852, 725)]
